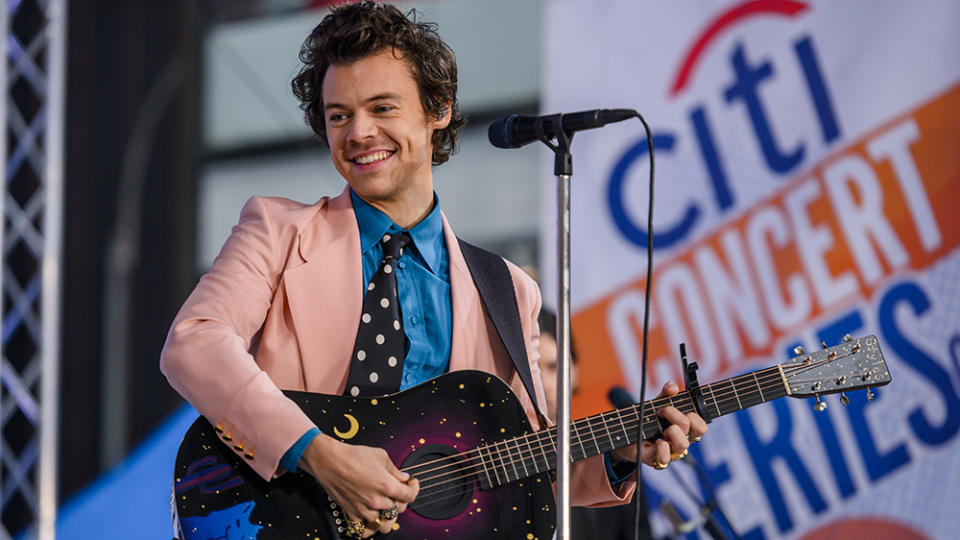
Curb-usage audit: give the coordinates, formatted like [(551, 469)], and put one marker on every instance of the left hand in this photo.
[(674, 441)]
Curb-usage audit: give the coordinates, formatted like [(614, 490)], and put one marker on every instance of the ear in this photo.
[(443, 118)]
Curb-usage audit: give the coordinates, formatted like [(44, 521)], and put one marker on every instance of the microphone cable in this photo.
[(640, 497)]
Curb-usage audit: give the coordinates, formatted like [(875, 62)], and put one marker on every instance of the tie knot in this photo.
[(393, 244)]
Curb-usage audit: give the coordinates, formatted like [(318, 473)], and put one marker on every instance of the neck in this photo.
[(406, 210)]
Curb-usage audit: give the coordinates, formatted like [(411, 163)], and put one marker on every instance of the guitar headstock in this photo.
[(851, 365)]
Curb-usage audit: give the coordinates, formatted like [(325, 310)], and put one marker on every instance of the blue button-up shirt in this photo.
[(423, 286)]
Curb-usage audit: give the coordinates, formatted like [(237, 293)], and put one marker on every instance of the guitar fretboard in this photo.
[(533, 453)]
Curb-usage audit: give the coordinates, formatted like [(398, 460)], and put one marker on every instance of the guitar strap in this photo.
[(493, 281)]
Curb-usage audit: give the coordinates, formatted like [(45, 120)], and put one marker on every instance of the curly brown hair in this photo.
[(354, 31)]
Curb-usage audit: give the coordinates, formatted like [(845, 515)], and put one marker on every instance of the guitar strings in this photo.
[(523, 455), (513, 457), (656, 403), (525, 452), (542, 442)]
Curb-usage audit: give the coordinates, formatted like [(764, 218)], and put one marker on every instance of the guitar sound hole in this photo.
[(444, 494)]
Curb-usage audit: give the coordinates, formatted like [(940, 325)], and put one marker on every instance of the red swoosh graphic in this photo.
[(786, 8)]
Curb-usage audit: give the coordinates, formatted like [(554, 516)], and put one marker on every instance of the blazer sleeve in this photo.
[(208, 356), (589, 484)]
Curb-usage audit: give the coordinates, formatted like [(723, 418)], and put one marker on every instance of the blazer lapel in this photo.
[(470, 347), (325, 295)]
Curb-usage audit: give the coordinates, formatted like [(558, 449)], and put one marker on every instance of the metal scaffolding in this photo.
[(34, 34)]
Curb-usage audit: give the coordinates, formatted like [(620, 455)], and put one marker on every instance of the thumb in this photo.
[(400, 475)]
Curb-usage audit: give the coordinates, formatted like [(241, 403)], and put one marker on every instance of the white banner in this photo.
[(808, 186)]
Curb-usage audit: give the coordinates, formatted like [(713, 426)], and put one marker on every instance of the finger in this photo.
[(670, 388), (698, 426), (676, 438), (404, 491), (370, 516), (386, 525), (366, 533), (374, 525), (648, 452), (401, 476), (675, 416), (663, 451)]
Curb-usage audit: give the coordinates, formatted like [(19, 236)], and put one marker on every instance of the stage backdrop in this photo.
[(808, 186)]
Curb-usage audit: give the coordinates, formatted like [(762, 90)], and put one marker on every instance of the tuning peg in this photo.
[(823, 344), (821, 405), (847, 338), (798, 350), (844, 399), (870, 394)]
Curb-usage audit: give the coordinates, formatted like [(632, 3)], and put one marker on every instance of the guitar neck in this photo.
[(600, 433)]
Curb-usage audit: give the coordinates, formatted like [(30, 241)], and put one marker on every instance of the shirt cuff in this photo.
[(291, 459), (622, 471)]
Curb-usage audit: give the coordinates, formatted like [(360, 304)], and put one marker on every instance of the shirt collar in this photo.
[(427, 235)]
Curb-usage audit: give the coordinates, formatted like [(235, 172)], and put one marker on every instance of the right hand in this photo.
[(361, 479)]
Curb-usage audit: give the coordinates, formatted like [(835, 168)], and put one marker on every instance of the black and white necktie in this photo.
[(377, 363)]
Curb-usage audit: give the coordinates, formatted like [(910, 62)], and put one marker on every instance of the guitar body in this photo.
[(423, 429)]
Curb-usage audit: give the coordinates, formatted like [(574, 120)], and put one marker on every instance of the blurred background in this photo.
[(807, 186)]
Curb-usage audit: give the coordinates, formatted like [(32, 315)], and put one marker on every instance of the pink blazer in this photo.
[(280, 308)]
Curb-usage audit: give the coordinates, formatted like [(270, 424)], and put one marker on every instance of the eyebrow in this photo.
[(378, 97)]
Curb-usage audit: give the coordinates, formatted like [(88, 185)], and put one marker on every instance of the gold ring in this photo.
[(675, 456), (390, 513), (658, 465), (694, 439), (375, 524), (354, 528)]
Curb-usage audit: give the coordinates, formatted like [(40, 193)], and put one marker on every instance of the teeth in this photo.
[(370, 158)]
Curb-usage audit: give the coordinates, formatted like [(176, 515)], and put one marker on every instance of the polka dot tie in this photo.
[(377, 363)]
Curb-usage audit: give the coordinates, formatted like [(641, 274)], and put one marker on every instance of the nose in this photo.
[(363, 127)]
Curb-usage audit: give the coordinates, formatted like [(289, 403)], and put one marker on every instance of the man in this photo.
[(284, 305)]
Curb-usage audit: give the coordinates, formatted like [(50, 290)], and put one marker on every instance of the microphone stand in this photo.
[(563, 170), (710, 509)]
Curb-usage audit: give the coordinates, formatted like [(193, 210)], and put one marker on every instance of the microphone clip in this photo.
[(562, 157)]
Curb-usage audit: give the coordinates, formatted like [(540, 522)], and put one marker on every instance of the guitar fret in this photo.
[(492, 462), (593, 436), (508, 461), (513, 461), (545, 450), (759, 388), (714, 396), (606, 428), (654, 422), (523, 460), (576, 433), (552, 450), (735, 393), (623, 427), (483, 464)]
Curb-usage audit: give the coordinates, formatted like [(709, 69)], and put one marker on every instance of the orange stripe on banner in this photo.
[(884, 205)]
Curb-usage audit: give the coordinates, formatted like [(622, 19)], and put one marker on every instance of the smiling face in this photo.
[(379, 135)]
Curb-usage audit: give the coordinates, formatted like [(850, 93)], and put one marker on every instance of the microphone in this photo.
[(514, 131), (620, 398)]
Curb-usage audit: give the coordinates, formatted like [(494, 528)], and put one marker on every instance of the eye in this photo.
[(335, 118), (381, 109)]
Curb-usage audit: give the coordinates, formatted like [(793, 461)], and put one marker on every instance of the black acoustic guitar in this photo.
[(483, 472)]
